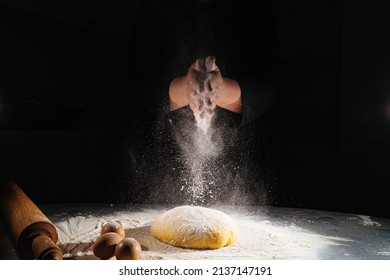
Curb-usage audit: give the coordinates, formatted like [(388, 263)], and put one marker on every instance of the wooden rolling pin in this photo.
[(35, 236)]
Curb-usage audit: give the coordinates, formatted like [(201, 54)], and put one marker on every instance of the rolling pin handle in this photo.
[(34, 235), (44, 248)]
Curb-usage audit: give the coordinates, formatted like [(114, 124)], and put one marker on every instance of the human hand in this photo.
[(205, 83), (204, 80)]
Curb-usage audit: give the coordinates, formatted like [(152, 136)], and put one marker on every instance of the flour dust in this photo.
[(203, 98), (195, 155), (202, 148)]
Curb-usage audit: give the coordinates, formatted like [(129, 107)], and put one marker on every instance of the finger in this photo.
[(210, 64), (209, 86), (208, 102), (198, 65), (193, 105)]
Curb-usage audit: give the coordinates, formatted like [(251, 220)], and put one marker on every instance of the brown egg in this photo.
[(113, 227), (104, 246), (128, 249)]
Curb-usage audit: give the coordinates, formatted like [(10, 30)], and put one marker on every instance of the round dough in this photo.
[(195, 227)]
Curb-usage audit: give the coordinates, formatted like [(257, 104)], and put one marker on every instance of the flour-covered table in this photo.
[(265, 233)]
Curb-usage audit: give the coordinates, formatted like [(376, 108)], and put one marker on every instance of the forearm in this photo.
[(178, 94)]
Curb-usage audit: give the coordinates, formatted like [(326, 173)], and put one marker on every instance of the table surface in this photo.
[(265, 233)]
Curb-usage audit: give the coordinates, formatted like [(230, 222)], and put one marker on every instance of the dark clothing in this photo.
[(169, 36), (258, 97)]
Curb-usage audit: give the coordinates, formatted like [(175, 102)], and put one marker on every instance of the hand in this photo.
[(204, 80)]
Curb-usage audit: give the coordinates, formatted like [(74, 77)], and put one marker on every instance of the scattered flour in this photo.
[(259, 239), (201, 149), (384, 253), (366, 221)]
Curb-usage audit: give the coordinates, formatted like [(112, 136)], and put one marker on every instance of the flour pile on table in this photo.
[(259, 239)]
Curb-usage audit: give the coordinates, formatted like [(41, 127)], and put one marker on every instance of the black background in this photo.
[(69, 121)]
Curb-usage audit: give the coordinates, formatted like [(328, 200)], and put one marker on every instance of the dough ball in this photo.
[(195, 227)]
